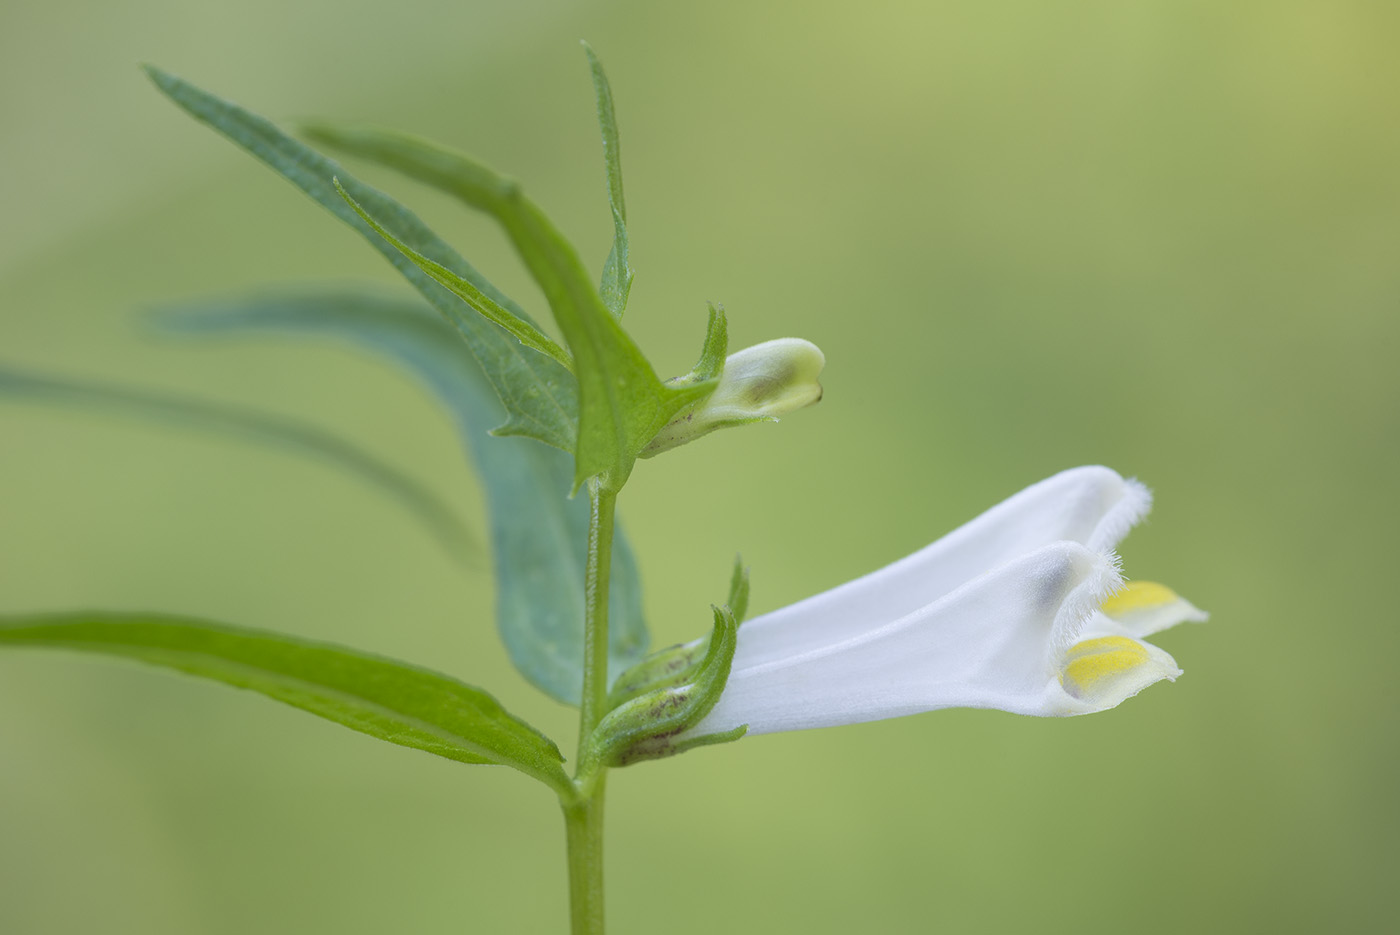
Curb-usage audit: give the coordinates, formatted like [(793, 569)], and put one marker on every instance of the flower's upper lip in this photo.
[(1093, 506), (1066, 583)]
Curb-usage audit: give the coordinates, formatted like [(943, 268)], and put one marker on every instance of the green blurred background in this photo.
[(1156, 235)]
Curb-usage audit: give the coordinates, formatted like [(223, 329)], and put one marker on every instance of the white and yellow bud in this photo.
[(758, 384), (1023, 609)]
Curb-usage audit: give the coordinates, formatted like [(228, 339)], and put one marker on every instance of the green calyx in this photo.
[(649, 725), (676, 665), (667, 668)]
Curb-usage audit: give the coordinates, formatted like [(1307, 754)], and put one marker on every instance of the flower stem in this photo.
[(583, 813)]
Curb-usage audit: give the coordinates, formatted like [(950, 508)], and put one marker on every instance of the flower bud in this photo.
[(758, 384)]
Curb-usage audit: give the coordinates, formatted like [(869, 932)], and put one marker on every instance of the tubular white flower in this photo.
[(1022, 609)]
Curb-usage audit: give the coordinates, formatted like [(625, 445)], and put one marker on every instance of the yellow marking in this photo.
[(1139, 595), (1091, 661)]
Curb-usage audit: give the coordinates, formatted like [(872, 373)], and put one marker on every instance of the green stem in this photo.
[(583, 813), (583, 823), (595, 590)]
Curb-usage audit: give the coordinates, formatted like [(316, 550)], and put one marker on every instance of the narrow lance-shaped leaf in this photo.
[(539, 393), (617, 271), (390, 700), (538, 536), (622, 403), (234, 421), (526, 333)]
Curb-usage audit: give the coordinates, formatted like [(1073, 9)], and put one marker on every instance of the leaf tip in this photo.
[(159, 76)]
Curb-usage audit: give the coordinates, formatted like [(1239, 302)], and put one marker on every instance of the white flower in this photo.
[(1022, 609)]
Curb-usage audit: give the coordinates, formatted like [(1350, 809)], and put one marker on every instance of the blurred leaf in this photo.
[(538, 536), (622, 404), (263, 428), (617, 271), (539, 393), (390, 700)]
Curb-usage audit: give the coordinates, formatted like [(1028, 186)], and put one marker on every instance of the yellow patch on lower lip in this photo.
[(1089, 663), (1139, 595)]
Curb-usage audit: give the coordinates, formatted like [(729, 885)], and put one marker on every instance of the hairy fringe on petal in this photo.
[(1084, 601), (1125, 514)]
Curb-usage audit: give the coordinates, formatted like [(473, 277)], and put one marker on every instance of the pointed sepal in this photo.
[(739, 590), (716, 348)]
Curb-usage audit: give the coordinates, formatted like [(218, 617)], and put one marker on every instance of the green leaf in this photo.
[(622, 404), (526, 333), (262, 428), (538, 536), (390, 700), (539, 393), (617, 272)]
